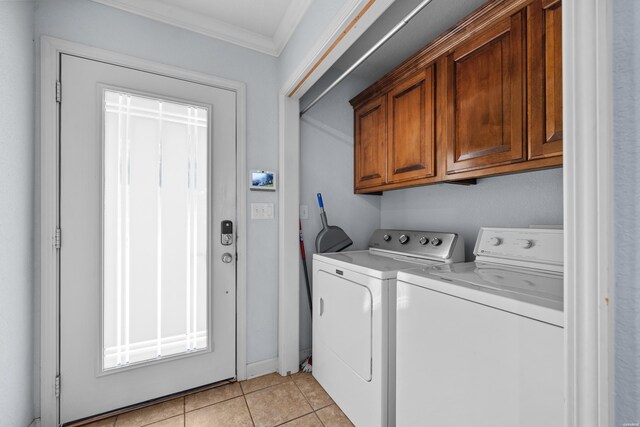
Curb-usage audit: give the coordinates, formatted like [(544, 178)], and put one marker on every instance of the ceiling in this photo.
[(437, 17), (264, 25), (267, 25)]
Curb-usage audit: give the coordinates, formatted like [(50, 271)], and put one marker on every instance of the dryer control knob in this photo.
[(495, 241), (436, 242), (386, 237), (403, 239), (524, 243), (423, 240)]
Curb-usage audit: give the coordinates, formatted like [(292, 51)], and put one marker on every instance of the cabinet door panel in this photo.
[(486, 100), (411, 128), (544, 47), (371, 144)]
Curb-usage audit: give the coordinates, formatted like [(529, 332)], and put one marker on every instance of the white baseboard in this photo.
[(262, 368), (268, 366)]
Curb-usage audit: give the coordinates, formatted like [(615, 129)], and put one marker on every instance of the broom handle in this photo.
[(304, 265), (323, 214)]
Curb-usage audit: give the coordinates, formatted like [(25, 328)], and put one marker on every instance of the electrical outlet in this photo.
[(304, 212), (261, 210)]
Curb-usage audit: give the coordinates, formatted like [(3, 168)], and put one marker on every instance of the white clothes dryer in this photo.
[(354, 318), (482, 343)]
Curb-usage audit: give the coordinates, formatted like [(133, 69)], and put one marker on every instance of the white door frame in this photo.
[(51, 48), (336, 39), (588, 205), (588, 212), (288, 246)]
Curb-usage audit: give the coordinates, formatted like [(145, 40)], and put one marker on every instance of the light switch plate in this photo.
[(261, 210), (304, 212)]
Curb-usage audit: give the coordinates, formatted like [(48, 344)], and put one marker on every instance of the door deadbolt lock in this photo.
[(226, 233)]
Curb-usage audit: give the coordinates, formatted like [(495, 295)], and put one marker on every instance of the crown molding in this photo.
[(215, 28), (289, 22)]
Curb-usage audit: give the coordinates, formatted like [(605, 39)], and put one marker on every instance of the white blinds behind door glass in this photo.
[(154, 229)]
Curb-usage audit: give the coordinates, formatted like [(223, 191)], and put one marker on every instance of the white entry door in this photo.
[(148, 255)]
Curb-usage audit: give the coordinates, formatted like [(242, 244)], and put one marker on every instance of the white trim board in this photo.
[(289, 166), (588, 208), (264, 367), (328, 130), (211, 27), (288, 237), (51, 49)]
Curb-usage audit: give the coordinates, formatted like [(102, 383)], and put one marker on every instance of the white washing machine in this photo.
[(481, 343), (354, 318)]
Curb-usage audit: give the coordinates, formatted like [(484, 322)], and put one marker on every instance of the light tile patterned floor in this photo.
[(270, 400)]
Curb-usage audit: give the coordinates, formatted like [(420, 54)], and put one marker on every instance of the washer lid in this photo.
[(372, 264), (532, 293)]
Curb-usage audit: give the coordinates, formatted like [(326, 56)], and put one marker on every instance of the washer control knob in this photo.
[(386, 237), (423, 240), (524, 243), (495, 241), (403, 239), (436, 242)]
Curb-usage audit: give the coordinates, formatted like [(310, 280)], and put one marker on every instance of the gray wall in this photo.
[(326, 166), (16, 212), (626, 76), (517, 200), (108, 28)]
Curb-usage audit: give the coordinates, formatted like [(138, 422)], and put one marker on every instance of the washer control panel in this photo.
[(533, 245), (425, 244)]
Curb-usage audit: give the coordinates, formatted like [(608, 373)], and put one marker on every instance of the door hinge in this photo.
[(57, 386), (57, 239), (58, 92)]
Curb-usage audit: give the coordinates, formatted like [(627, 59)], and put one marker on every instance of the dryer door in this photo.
[(344, 321)]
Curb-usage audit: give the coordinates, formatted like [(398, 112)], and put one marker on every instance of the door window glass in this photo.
[(155, 261)]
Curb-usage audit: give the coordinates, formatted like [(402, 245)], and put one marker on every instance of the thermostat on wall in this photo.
[(262, 180)]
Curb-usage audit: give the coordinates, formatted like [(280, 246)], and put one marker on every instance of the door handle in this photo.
[(321, 306), (227, 257)]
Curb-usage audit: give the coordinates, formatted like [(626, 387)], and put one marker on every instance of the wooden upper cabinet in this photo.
[(371, 144), (411, 120), (486, 98), (544, 52), (482, 99)]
